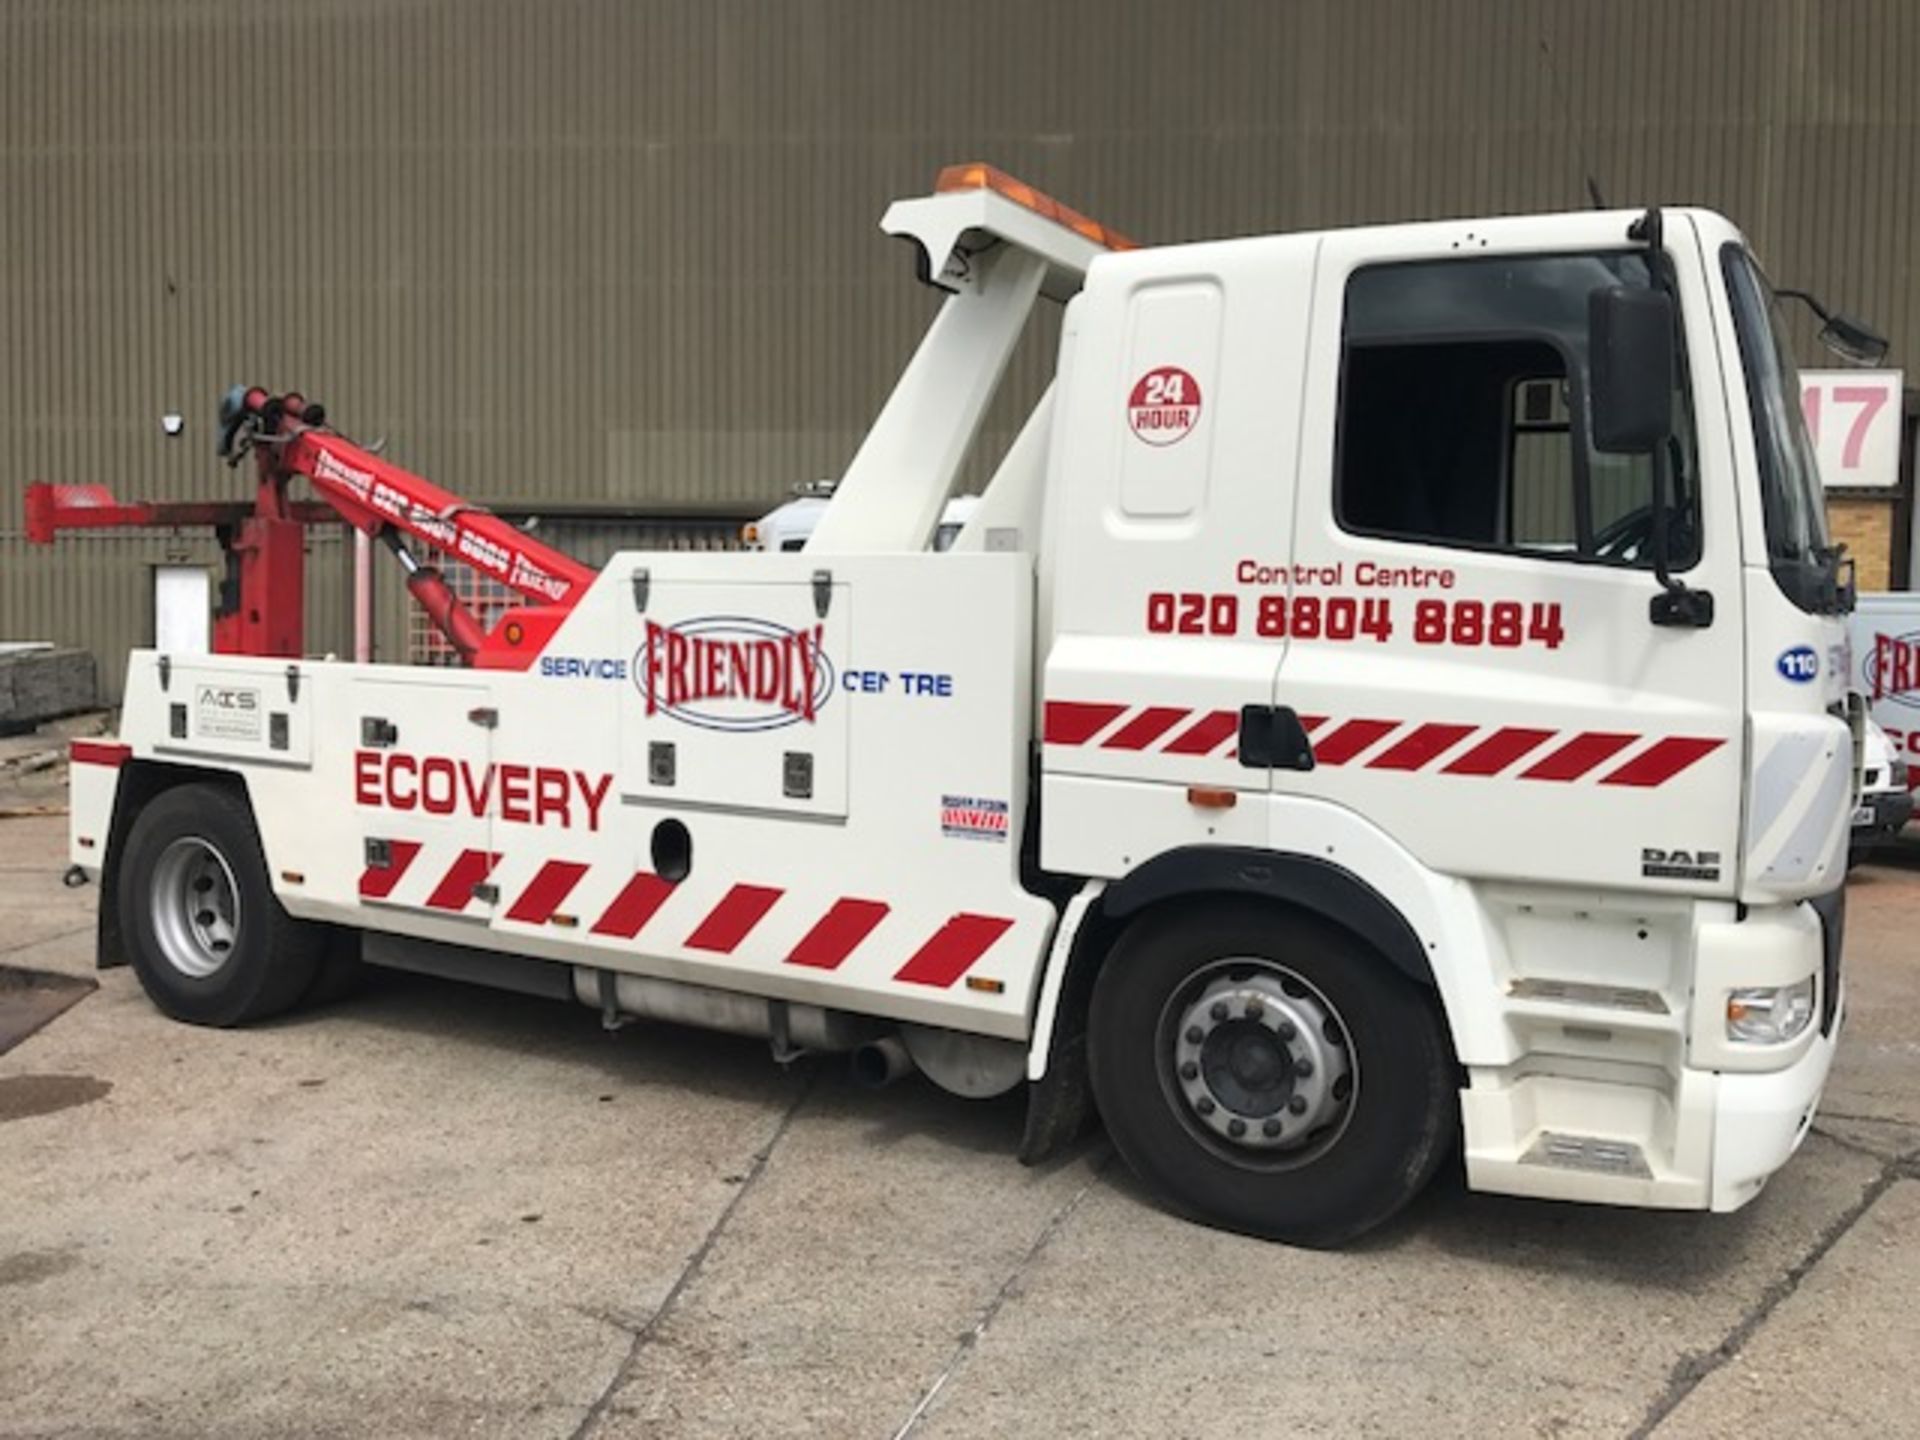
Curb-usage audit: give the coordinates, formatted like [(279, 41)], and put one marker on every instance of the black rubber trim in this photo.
[(522, 974), (1832, 910), (1304, 880)]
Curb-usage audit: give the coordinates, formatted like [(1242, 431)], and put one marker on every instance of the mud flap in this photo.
[(1059, 1104)]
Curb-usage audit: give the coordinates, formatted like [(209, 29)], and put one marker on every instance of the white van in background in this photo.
[(787, 526), (1886, 801)]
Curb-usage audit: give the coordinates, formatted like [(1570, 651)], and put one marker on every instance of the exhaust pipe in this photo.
[(880, 1062)]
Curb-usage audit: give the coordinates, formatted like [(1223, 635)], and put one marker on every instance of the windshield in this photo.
[(1795, 507)]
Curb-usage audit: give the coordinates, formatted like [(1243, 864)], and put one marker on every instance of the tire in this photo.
[(340, 973), (206, 936), (1309, 1164)]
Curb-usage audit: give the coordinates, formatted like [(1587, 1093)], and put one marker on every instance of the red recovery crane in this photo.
[(261, 610)]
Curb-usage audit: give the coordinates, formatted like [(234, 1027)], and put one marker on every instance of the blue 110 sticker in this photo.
[(1801, 664)]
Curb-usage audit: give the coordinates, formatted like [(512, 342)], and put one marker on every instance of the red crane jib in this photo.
[(373, 494)]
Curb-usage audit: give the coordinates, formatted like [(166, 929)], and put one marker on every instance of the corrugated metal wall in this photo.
[(624, 254)]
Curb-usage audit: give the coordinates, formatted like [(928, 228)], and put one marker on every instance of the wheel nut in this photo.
[(1203, 1105), (1219, 1010), (1236, 1128), (1270, 1129), (1303, 1067), (1195, 1035), (1255, 1010), (1189, 1071), (1298, 1105), (1287, 1030)]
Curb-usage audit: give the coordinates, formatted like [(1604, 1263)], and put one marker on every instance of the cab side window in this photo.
[(1463, 414)]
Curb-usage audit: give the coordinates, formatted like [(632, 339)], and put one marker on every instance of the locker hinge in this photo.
[(822, 592), (485, 716), (641, 581), (487, 893)]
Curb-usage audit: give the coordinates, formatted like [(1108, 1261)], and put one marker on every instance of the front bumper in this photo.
[(1684, 1119), (1881, 814), (1760, 1120)]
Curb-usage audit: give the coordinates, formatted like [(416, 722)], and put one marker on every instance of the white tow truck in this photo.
[(1391, 693)]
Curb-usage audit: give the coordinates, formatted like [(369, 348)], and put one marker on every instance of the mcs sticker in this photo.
[(1164, 406)]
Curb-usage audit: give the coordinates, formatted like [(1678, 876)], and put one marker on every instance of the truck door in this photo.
[(1174, 472), (1473, 650), (425, 790)]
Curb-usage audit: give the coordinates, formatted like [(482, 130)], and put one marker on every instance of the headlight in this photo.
[(1769, 1014), (1898, 774)]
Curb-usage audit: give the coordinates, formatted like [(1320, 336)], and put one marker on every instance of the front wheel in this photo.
[(1263, 1070), (207, 937)]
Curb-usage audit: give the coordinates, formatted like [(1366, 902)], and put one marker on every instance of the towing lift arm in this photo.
[(261, 610)]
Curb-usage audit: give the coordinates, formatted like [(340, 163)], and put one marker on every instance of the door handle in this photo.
[(1272, 737), (1685, 609)]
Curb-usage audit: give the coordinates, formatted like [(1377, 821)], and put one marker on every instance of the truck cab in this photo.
[(1374, 617), (1391, 692)]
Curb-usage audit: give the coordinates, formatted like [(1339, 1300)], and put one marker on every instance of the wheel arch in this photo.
[(1306, 882)]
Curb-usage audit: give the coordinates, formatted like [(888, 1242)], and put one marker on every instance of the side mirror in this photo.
[(1631, 364), (1851, 340)]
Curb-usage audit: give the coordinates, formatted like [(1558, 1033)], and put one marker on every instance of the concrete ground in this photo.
[(432, 1210)]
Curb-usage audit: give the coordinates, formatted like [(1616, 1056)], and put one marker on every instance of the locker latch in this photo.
[(796, 775), (1271, 736)]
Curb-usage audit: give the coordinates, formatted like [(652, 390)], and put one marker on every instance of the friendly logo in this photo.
[(1891, 670), (733, 672)]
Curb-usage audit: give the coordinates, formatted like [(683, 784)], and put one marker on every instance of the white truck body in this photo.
[(875, 782), (1884, 634)]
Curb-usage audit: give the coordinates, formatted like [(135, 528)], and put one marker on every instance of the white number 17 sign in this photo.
[(1853, 418)]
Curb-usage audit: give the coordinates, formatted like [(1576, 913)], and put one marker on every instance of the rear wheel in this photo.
[(208, 940), (1263, 1070)]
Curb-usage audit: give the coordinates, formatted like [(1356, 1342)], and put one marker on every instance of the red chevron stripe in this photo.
[(1145, 728), (634, 906), (1663, 761), (838, 933), (1578, 756), (377, 881), (1205, 734), (1074, 722), (1420, 747), (546, 892), (729, 922), (952, 950), (1498, 751), (1350, 739), (455, 890)]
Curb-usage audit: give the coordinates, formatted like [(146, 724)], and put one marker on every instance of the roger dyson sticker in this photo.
[(1164, 405)]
